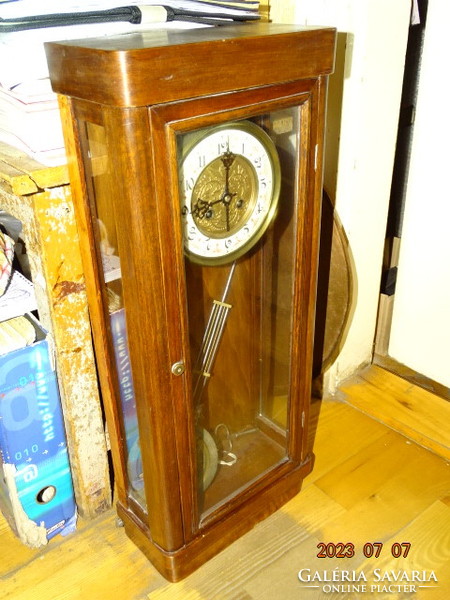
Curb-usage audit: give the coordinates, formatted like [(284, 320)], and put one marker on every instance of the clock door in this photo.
[(240, 315), (242, 296)]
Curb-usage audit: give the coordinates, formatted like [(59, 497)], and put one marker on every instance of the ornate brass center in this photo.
[(224, 195)]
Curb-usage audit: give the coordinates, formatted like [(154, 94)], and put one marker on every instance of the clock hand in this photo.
[(216, 201), (201, 208), (227, 214), (227, 160)]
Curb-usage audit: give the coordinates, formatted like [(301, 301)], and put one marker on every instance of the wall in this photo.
[(361, 135), (420, 330)]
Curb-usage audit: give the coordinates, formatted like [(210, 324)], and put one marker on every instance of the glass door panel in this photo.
[(240, 296), (98, 181)]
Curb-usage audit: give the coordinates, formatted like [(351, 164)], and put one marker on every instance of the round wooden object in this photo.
[(334, 290)]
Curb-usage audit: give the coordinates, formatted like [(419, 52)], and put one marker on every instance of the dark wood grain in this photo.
[(154, 67), (144, 91)]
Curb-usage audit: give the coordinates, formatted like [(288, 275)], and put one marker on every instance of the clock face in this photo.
[(229, 181)]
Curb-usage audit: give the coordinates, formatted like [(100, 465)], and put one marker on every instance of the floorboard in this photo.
[(371, 483), (403, 406)]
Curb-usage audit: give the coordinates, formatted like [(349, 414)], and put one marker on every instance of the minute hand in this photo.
[(227, 160)]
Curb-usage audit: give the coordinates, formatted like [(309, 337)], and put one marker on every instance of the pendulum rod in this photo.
[(212, 337)]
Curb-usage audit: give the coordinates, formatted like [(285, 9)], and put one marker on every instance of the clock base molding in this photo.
[(212, 539)]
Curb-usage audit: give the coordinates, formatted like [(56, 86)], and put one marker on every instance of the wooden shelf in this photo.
[(40, 197), (23, 175)]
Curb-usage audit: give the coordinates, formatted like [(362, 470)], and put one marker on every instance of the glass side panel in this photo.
[(102, 208), (238, 206)]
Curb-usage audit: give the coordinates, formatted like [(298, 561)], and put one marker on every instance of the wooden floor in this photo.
[(370, 484)]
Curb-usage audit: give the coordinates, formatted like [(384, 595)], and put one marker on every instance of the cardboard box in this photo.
[(36, 492)]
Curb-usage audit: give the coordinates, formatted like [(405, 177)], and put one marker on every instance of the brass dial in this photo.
[(224, 195)]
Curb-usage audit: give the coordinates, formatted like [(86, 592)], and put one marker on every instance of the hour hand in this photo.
[(200, 208)]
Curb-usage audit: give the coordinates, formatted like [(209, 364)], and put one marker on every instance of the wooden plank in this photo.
[(312, 508), (51, 238), (349, 483), (45, 177), (19, 555), (410, 410), (331, 443), (24, 175), (17, 181), (386, 512), (404, 372), (70, 324), (88, 564), (429, 536)]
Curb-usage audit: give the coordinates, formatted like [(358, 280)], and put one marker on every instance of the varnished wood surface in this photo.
[(434, 387), (369, 484), (21, 174), (413, 411), (160, 66), (144, 75)]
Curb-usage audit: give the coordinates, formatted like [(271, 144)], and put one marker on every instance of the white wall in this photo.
[(420, 333), (360, 154)]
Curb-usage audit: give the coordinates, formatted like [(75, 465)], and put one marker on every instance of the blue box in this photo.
[(128, 401), (36, 492)]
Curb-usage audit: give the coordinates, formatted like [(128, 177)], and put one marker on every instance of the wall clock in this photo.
[(196, 167)]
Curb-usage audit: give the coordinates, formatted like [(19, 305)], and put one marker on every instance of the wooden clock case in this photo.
[(142, 90)]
